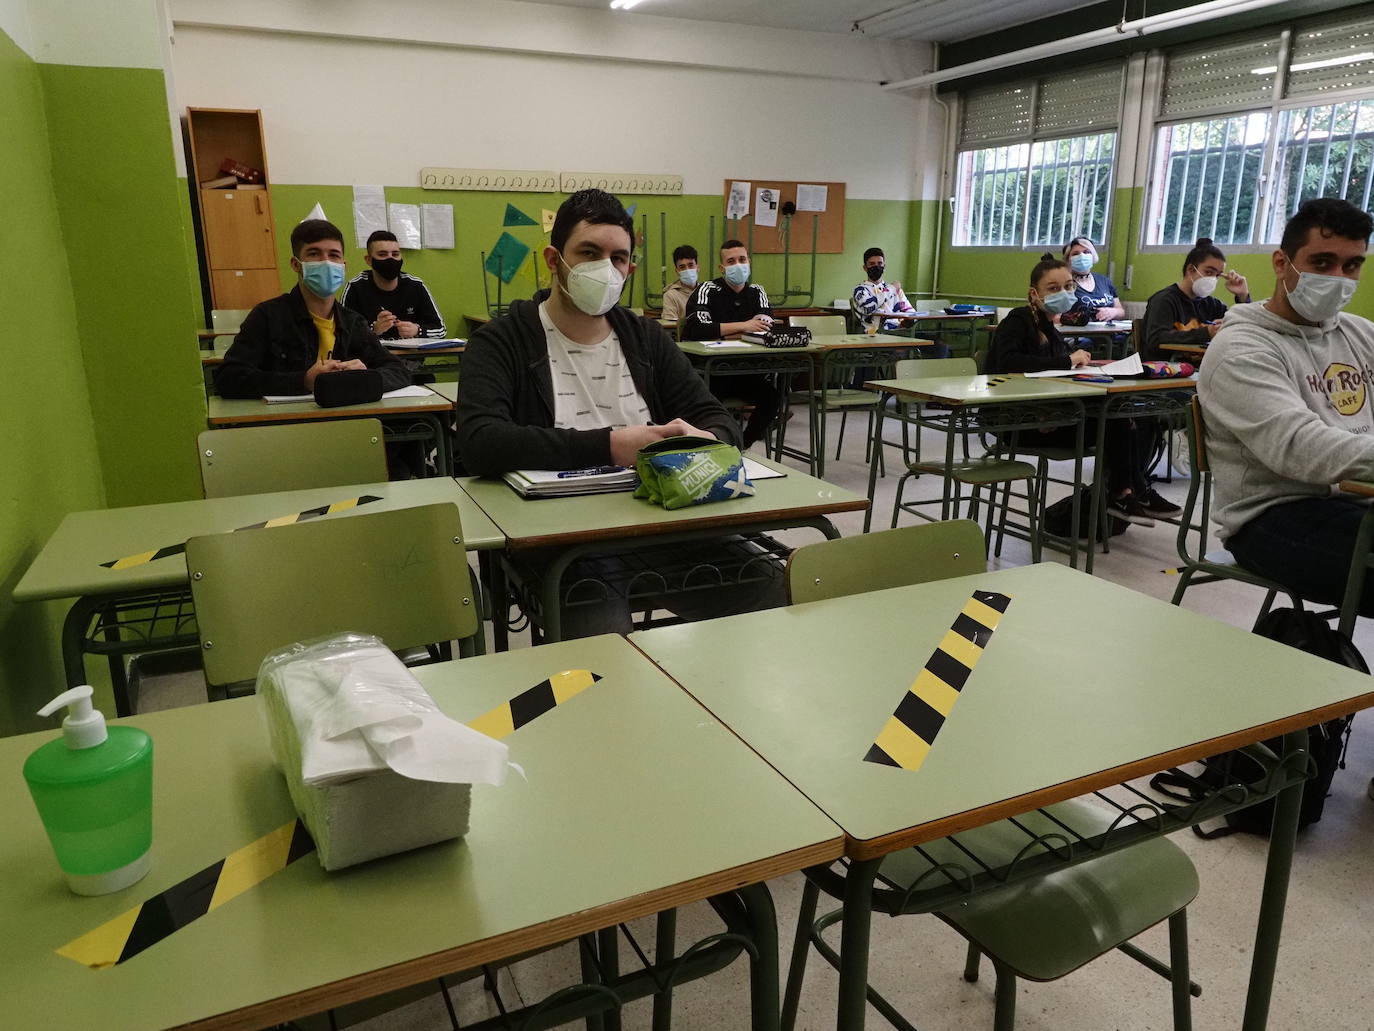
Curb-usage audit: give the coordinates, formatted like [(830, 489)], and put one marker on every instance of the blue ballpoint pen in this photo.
[(598, 470)]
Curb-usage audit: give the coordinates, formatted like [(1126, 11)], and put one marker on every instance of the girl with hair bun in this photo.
[(1185, 312)]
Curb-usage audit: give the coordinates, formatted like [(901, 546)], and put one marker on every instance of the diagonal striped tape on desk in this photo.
[(295, 517), (910, 731), (145, 925)]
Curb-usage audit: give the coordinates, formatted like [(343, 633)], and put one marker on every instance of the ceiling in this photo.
[(936, 21)]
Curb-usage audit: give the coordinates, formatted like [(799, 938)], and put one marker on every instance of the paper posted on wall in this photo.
[(811, 198), (766, 207), (369, 212), (738, 204), (404, 221), (437, 222)]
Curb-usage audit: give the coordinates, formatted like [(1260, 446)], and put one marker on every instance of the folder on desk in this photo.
[(421, 344), (550, 483)]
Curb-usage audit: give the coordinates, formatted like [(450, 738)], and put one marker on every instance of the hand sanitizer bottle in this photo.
[(94, 792)]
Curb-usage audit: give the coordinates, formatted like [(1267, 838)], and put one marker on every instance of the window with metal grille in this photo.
[(1206, 180), (1322, 152), (1015, 186)]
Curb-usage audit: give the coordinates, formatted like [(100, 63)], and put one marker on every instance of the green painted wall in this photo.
[(120, 207), (50, 461), (454, 275), (1001, 271)]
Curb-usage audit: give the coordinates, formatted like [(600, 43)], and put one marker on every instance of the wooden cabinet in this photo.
[(243, 287), (237, 242)]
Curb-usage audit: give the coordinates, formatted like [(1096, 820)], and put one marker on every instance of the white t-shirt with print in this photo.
[(592, 385)]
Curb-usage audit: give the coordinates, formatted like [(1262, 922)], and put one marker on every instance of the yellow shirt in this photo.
[(325, 329)]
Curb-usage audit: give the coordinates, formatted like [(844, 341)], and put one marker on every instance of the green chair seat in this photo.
[(845, 397), (978, 470)]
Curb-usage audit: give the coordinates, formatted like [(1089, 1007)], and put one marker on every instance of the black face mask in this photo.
[(387, 268), (875, 272)]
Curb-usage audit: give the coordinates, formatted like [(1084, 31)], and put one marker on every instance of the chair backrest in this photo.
[(1197, 438), (1002, 313), (1137, 336), (844, 302), (1197, 510), (933, 304), (227, 320), (886, 558), (820, 325), (299, 456), (401, 575), (910, 368)]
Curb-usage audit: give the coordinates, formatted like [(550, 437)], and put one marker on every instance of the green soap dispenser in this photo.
[(94, 792)]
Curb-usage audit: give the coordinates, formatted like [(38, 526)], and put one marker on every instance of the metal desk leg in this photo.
[(1354, 584), (1279, 864), (665, 938), (858, 918), (763, 968), (1099, 486), (873, 464), (489, 565)]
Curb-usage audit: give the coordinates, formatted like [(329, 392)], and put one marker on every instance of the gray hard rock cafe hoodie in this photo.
[(1288, 409)]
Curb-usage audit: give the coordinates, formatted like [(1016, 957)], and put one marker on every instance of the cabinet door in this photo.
[(244, 287), (238, 229)]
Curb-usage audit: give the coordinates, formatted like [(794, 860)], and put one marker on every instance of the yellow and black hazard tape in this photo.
[(295, 517), (183, 903), (510, 716), (1172, 572), (169, 911), (910, 731)]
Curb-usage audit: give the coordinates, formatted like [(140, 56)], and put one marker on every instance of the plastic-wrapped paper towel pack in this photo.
[(373, 767)]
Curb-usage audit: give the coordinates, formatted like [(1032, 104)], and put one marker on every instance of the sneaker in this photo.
[(1156, 504), (1129, 508)]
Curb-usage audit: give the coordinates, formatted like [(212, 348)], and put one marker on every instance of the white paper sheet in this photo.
[(738, 204), (811, 198), (404, 221), (437, 223), (1128, 366), (369, 212), (766, 207)]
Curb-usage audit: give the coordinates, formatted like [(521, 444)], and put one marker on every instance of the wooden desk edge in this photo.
[(517, 942), (1359, 487), (427, 408), (659, 529), (875, 848)]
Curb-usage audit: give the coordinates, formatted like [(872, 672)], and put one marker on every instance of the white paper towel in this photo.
[(357, 709)]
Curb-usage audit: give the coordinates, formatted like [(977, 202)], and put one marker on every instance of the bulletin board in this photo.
[(768, 239)]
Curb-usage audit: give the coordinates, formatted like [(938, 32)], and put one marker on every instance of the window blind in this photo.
[(1225, 76), (1001, 113), (1079, 101), (1330, 55)]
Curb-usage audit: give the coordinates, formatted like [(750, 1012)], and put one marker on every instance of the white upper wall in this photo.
[(638, 95), (113, 34), (15, 23)]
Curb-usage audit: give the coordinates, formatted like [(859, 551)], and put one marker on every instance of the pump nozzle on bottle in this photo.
[(84, 726)]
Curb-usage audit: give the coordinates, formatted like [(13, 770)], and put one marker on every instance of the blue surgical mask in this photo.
[(1058, 304), (1082, 264), (688, 277), (322, 278), (737, 275)]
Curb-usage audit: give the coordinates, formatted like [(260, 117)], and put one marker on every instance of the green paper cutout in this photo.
[(506, 257), (516, 217)]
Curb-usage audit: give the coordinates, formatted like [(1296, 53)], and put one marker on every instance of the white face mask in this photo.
[(1204, 286), (594, 286), (1318, 298)]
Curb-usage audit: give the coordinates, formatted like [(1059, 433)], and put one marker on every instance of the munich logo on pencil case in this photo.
[(680, 471)]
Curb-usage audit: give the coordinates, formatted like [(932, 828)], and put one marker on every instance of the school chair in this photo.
[(226, 321), (1041, 928), (298, 456), (927, 368), (401, 575), (1201, 566), (834, 395)]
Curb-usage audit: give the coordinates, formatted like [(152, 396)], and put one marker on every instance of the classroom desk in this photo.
[(965, 395), (622, 812), (425, 419), (69, 566), (213, 357), (1044, 716), (967, 325), (618, 523), (1197, 349)]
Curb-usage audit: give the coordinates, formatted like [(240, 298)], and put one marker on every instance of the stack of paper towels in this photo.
[(374, 768)]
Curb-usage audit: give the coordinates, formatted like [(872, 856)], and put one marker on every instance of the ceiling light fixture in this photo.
[(1098, 37), (622, 5)]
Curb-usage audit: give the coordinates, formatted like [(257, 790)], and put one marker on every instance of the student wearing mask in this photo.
[(395, 304), (876, 296), (1186, 312), (1286, 394), (1096, 294), (729, 307), (575, 381), (1027, 340), (287, 341), (679, 292)]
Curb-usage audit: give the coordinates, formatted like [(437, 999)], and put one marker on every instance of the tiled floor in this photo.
[(1324, 979)]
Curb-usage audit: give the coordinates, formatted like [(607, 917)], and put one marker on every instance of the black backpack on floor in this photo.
[(1325, 741), (1058, 519)]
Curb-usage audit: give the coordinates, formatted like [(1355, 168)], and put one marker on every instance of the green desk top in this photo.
[(446, 390), (960, 390), (636, 800), (215, 356), (579, 520), (1081, 676), (226, 412), (69, 564), (818, 345)]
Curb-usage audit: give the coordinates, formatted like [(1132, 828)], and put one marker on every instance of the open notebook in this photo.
[(609, 479), (1128, 366)]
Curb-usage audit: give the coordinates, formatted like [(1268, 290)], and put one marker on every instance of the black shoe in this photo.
[(1128, 507), (1156, 504)]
